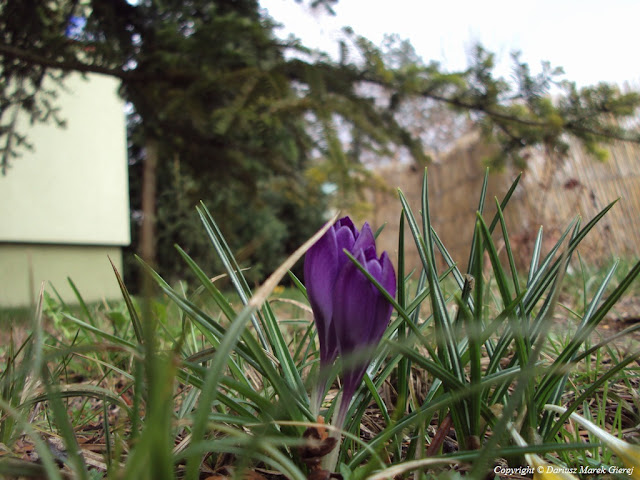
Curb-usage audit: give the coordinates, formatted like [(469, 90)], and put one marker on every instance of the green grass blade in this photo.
[(54, 399), (474, 325), (227, 345), (231, 266), (200, 317), (505, 201), (274, 335), (535, 257), (404, 367), (80, 391), (543, 279), (81, 302), (297, 283), (555, 396), (100, 333), (444, 331), (133, 313), (281, 351), (474, 239), (589, 393), (543, 276), (507, 245), (498, 271), (558, 366)]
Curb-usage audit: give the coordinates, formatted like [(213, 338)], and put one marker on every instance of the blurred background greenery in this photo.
[(270, 135)]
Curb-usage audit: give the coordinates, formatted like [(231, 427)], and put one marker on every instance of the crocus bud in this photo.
[(350, 313)]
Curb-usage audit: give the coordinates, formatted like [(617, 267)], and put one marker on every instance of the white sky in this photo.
[(594, 40)]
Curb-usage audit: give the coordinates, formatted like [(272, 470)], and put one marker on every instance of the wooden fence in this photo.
[(551, 193)]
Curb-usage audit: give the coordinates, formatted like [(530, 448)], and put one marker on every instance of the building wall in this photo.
[(25, 266), (64, 206)]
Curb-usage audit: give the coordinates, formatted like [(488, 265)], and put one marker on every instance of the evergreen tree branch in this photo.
[(354, 76), (66, 66)]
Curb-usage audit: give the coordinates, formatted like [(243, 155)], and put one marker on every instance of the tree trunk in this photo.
[(149, 178)]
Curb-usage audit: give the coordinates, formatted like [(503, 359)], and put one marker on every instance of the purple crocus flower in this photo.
[(349, 311)]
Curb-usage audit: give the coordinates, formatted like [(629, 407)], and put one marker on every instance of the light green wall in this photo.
[(25, 267), (65, 205), (73, 186)]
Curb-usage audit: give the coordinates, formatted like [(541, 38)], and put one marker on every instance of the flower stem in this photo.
[(330, 461), (316, 400)]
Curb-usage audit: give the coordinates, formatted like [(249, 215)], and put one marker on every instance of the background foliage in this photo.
[(261, 128)]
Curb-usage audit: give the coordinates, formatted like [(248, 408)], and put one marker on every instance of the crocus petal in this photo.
[(350, 313), (351, 379), (345, 239), (353, 316), (346, 222), (354, 307), (361, 313), (372, 264), (383, 307), (388, 280), (365, 239), (360, 316), (320, 272)]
